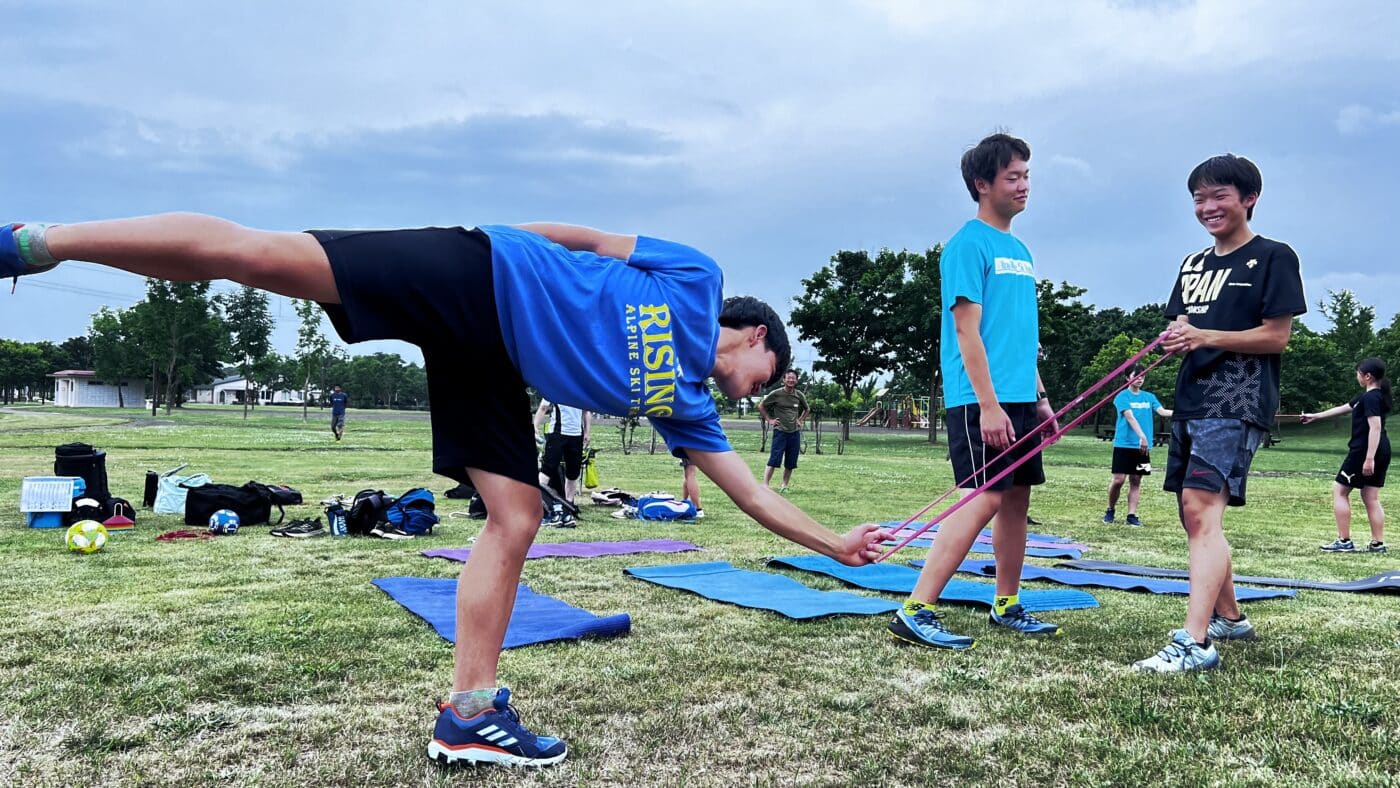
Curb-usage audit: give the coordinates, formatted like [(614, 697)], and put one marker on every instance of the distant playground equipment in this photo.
[(907, 413)]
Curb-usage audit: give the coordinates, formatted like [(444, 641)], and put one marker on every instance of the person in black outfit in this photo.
[(1368, 456)]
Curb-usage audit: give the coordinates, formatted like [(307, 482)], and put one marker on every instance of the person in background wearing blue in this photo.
[(1368, 456), (626, 325), (338, 399), (1132, 443)]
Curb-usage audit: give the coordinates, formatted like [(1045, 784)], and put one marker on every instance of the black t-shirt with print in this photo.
[(1234, 292), (1370, 403)]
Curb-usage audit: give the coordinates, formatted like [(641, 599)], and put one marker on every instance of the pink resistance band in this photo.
[(1049, 441)]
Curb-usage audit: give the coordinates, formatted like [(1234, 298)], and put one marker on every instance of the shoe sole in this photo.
[(304, 536), (1246, 638), (926, 644), (1201, 669), (1338, 549), (473, 755)]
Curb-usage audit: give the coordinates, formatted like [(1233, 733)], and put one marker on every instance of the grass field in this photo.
[(250, 660)]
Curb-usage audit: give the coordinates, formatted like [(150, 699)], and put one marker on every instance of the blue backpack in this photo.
[(413, 512), (660, 506)]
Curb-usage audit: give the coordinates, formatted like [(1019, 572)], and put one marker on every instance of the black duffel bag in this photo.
[(252, 503)]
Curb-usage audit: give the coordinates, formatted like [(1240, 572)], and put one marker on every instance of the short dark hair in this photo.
[(746, 311), (990, 157), (1228, 170), (1135, 370)]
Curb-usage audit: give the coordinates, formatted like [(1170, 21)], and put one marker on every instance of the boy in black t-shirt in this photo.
[(1368, 456), (1232, 308)]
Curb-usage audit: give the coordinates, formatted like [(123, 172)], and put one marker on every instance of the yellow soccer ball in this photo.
[(86, 536)]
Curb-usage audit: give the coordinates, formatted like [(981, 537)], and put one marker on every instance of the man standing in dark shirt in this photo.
[(1232, 307), (338, 399)]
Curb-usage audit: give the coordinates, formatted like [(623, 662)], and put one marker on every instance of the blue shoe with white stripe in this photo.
[(493, 736), (1017, 619), (921, 625)]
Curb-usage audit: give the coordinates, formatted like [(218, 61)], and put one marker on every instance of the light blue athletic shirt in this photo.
[(1144, 406), (989, 267), (629, 338)]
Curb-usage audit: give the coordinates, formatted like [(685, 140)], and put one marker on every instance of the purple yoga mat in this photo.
[(985, 538), (579, 549)]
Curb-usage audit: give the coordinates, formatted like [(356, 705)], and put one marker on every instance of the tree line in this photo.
[(181, 335), (877, 317)]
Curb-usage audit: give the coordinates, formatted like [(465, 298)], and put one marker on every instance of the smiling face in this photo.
[(1221, 210), (1007, 193)]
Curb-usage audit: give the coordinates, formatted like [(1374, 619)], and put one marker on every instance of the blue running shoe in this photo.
[(12, 265), (1018, 619), (493, 736), (1181, 655), (922, 627)]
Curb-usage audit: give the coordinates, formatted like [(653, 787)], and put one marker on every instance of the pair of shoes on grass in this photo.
[(301, 529), (1348, 546), (923, 626), (1132, 518)]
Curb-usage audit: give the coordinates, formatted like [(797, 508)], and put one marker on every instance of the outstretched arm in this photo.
[(860, 545), (1308, 418), (585, 239)]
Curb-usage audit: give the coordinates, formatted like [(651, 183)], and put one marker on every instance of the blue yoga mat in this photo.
[(900, 580), (723, 582), (1079, 577), (983, 547), (537, 618)]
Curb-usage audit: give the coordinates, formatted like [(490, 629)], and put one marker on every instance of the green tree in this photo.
[(1063, 321), (1353, 324), (1314, 374), (845, 311), (916, 328), (182, 333), (313, 350), (117, 356), (21, 363), (77, 353), (250, 327)]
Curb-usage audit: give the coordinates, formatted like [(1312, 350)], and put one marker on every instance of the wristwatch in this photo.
[(1040, 395)]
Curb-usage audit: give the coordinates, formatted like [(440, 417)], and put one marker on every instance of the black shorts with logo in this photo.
[(433, 287), (971, 457), (1350, 475), (1132, 462)]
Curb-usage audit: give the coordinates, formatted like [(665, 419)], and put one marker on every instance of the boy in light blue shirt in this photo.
[(1132, 443)]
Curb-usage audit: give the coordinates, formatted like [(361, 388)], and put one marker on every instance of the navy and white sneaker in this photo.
[(1340, 546), (1134, 521), (1016, 618), (1182, 655), (1108, 516), (493, 736), (1376, 547), (922, 627), (1222, 628)]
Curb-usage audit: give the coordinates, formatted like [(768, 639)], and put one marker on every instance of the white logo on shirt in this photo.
[(1010, 265), (1251, 264)]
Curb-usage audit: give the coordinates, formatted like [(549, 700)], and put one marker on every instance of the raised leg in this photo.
[(186, 247)]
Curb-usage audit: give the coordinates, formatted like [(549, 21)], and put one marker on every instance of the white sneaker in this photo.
[(699, 514), (1222, 628), (1182, 655)]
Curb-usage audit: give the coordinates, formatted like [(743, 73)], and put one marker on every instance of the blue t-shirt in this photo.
[(989, 267), (338, 401), (1144, 406), (629, 338)]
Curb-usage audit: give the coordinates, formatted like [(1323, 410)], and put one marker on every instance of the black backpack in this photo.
[(369, 509), (80, 459), (251, 502), (550, 502)]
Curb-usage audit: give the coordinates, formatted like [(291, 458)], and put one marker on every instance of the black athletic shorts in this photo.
[(1350, 474), (970, 457), (433, 288), (1132, 462)]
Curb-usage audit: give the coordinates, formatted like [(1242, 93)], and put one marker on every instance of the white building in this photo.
[(80, 388), (230, 390)]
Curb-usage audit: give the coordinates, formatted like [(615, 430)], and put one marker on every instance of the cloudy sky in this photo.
[(768, 134)]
